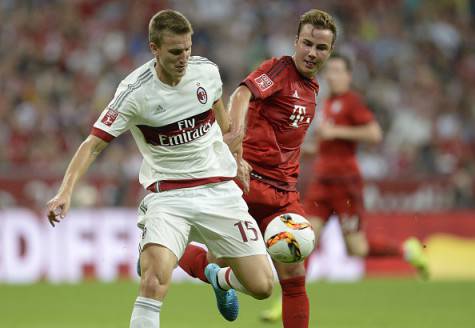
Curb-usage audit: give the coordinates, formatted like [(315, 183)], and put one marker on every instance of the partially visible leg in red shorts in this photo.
[(346, 199), (265, 203), (318, 204)]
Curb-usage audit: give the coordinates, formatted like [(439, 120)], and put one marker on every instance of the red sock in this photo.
[(379, 246), (295, 305), (194, 262)]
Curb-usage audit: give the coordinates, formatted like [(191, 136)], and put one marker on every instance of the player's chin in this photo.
[(309, 72)]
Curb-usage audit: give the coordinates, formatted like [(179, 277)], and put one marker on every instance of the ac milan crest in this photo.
[(202, 95)]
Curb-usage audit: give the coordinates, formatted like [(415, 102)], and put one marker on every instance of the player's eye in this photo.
[(176, 52)]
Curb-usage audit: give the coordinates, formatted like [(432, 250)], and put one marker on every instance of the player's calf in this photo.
[(251, 275), (156, 264), (154, 282)]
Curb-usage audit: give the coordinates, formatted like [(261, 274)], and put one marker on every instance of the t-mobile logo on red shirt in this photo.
[(298, 116)]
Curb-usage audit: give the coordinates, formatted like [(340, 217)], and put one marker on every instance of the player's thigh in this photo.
[(157, 263), (348, 204), (350, 208), (318, 205), (318, 215), (224, 224), (162, 219), (266, 202), (254, 273)]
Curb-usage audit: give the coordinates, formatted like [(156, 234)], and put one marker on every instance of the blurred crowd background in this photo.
[(60, 62)]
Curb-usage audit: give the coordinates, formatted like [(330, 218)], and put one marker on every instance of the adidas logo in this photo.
[(160, 109)]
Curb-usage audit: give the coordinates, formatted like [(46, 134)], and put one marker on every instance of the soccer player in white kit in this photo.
[(172, 106)]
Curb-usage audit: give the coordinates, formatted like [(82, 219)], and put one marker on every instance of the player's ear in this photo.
[(153, 48)]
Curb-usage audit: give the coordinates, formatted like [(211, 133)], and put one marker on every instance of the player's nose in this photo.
[(312, 53)]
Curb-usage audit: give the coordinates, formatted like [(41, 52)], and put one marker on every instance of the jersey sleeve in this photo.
[(218, 83), (266, 79), (360, 114), (118, 116)]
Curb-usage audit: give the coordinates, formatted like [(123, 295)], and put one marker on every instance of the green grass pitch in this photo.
[(371, 303)]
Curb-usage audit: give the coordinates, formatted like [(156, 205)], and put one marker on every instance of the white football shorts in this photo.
[(215, 215)]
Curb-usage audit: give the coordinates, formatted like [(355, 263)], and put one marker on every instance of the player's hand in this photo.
[(57, 208), (244, 174), (326, 131)]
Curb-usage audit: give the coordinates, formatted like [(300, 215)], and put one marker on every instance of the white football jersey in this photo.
[(174, 126)]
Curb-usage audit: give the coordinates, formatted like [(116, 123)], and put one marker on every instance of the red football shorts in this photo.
[(265, 202), (344, 197)]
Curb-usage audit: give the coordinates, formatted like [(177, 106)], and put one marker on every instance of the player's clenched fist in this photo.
[(57, 208), (243, 173)]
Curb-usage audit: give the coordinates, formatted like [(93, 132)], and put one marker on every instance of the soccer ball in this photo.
[(289, 238)]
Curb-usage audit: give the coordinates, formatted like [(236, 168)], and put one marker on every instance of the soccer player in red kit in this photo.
[(272, 110), (338, 186), (337, 183)]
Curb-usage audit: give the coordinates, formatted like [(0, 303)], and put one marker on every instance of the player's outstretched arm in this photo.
[(87, 152)]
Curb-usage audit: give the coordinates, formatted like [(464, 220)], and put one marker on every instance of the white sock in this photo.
[(227, 280), (146, 313)]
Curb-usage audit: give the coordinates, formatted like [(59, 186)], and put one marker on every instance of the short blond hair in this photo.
[(319, 19), (167, 20)]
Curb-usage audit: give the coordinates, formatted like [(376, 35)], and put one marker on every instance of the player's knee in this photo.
[(263, 290), (356, 243), (261, 287), (358, 249)]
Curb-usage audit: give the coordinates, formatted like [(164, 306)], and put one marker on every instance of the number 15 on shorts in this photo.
[(248, 231)]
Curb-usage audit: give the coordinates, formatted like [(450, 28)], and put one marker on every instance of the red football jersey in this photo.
[(280, 112), (337, 158)]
